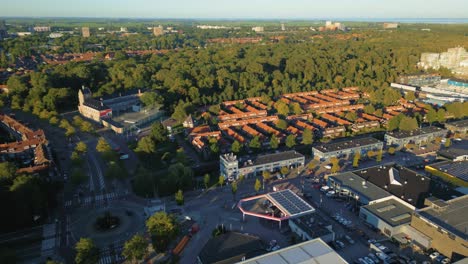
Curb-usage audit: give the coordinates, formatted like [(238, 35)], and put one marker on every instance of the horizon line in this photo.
[(355, 19)]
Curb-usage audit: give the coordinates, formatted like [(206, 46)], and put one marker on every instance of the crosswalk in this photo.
[(112, 255), (95, 200)]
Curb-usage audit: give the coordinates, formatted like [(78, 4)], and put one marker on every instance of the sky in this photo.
[(259, 9)]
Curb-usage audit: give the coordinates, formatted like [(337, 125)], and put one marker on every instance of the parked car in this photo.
[(123, 156), (350, 240), (445, 261), (374, 258), (330, 193), (434, 255), (369, 260), (328, 167), (325, 188), (340, 244)]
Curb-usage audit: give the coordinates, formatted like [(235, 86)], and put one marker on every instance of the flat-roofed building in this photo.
[(357, 188), (347, 148), (460, 126), (418, 136), (445, 223), (402, 182), (388, 215), (309, 252), (454, 153), (231, 247), (312, 226), (232, 167), (158, 31), (452, 171)]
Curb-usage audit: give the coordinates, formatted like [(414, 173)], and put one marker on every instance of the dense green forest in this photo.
[(195, 76)]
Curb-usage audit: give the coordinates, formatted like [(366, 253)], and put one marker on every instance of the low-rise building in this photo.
[(402, 182), (232, 167), (312, 226), (453, 153), (355, 187), (388, 215), (418, 136), (347, 148), (445, 223), (312, 251), (231, 247), (460, 126)]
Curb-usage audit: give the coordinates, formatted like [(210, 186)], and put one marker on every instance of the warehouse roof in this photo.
[(392, 211)]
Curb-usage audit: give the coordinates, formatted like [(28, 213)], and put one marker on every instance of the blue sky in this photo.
[(304, 9)]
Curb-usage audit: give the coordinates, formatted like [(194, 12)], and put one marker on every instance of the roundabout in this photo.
[(108, 225)]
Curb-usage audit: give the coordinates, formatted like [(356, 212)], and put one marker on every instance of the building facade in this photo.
[(231, 167), (418, 136), (347, 148), (85, 32)]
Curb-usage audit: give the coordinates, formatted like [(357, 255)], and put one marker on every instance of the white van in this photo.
[(325, 188)]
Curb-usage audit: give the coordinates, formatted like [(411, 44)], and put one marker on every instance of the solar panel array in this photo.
[(290, 202)]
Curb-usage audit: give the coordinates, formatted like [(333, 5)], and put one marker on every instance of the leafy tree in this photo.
[(441, 115), (158, 132), (357, 157), (391, 151), (151, 100), (290, 141), (180, 111), (234, 189), (241, 178), (7, 171), (370, 154), (103, 146), (369, 109), (282, 124), (351, 116), (307, 137), (214, 147), (448, 142), (408, 123), (76, 159), (282, 108), (335, 165), (86, 251), (146, 145), (221, 180), (255, 143), (81, 147), (394, 122), (410, 96), (266, 175), (236, 147), (77, 177), (179, 197), (274, 142), (431, 116), (257, 185), (206, 180), (379, 156), (162, 228), (284, 170), (295, 108), (115, 171), (135, 248)]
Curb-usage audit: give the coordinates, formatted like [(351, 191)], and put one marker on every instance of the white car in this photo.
[(328, 167), (325, 188), (330, 193), (445, 261), (434, 255)]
